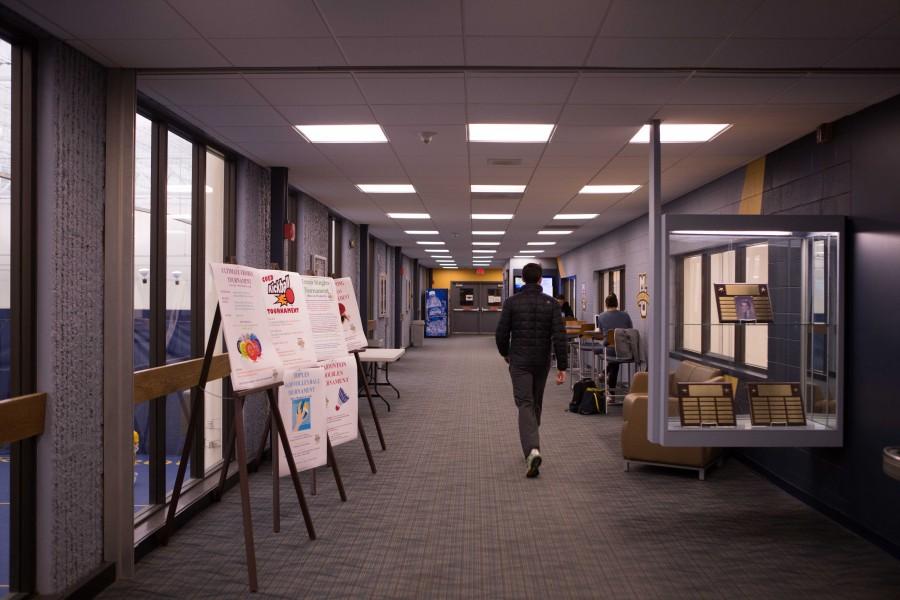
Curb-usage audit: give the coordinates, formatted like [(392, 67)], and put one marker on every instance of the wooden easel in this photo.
[(365, 380), (238, 438)]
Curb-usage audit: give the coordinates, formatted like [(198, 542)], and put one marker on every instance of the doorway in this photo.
[(475, 307)]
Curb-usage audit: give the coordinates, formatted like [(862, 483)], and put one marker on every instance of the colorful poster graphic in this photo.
[(301, 401), (251, 351), (436, 313), (351, 321), (341, 400), (288, 318), (319, 297)]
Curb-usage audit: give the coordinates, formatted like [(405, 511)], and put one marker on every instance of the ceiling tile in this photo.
[(713, 89), (430, 115), (847, 89), (206, 92), (527, 51), (607, 114), (403, 50), (298, 155), (488, 89), (124, 19), (592, 204), (214, 116), (159, 53), (775, 53), (279, 52), (869, 53), (625, 89), (651, 52), (447, 141), (412, 89), (607, 136), (685, 18), (534, 17), (514, 113), (261, 134), (392, 18), (326, 114), (498, 205), (257, 19), (816, 19), (299, 90)]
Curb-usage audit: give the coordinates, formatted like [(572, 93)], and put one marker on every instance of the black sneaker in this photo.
[(534, 462)]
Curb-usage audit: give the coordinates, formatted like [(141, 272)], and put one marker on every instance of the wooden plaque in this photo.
[(743, 303), (706, 405), (776, 404)]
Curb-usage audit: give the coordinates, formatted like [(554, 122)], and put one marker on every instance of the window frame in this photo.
[(605, 280)]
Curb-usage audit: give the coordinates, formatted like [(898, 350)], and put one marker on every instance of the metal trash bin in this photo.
[(417, 333)]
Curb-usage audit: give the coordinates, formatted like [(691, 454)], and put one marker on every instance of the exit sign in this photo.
[(479, 271)]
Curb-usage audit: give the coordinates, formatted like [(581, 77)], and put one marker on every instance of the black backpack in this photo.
[(587, 399)]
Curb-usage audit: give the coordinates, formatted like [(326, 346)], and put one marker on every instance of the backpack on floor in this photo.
[(578, 393), (593, 401)]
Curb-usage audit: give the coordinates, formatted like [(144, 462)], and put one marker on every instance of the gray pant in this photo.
[(528, 390)]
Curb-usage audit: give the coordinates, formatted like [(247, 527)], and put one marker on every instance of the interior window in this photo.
[(756, 338)]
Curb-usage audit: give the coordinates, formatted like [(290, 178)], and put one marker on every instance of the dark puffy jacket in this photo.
[(530, 321)]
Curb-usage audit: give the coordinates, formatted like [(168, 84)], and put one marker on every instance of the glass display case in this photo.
[(752, 308)]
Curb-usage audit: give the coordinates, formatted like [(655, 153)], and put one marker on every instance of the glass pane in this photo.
[(693, 312), (756, 350), (179, 184), (721, 336), (143, 140), (617, 285), (215, 252), (5, 332)]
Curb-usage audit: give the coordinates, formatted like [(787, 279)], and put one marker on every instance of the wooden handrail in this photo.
[(22, 417), (157, 382)]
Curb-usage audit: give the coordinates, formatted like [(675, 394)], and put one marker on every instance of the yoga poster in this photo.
[(301, 401), (354, 333), (251, 351), (320, 299), (288, 318), (341, 401)]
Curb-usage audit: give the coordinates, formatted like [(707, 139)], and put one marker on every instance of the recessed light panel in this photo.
[(409, 215), (681, 133), (498, 189), (485, 243), (488, 232), (479, 251), (517, 256), (530, 251), (608, 189), (552, 232), (539, 243), (342, 134), (430, 243), (491, 217), (386, 188), (510, 133), (575, 216), (421, 232)]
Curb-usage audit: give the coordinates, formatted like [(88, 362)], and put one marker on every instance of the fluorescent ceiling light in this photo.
[(448, 261), (681, 133), (530, 251), (430, 243), (539, 243), (485, 243), (608, 189), (491, 217), (409, 215), (436, 250), (488, 232), (511, 133), (550, 232), (517, 256), (733, 233), (421, 232), (342, 134), (575, 216), (498, 189), (449, 267), (479, 251), (386, 188)]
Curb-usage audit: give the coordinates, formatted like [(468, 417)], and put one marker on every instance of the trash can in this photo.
[(417, 333)]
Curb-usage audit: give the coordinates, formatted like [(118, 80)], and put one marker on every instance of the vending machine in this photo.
[(436, 313)]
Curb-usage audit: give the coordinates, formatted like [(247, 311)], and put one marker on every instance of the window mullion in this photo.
[(157, 471), (198, 281)]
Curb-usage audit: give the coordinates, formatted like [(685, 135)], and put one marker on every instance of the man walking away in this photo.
[(530, 323)]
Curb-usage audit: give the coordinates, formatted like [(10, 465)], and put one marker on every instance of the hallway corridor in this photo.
[(450, 514)]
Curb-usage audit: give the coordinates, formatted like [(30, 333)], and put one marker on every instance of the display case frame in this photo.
[(825, 432)]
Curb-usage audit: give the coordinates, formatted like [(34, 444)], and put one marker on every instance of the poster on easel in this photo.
[(341, 400), (320, 299), (251, 352), (351, 321), (301, 401), (288, 318)]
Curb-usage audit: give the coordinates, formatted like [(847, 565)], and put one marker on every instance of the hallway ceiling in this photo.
[(771, 68)]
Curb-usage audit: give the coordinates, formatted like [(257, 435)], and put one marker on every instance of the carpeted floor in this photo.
[(451, 515)]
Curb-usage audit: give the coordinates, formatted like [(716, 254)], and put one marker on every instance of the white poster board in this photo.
[(251, 351), (351, 321), (301, 401), (320, 299), (341, 400), (288, 318)]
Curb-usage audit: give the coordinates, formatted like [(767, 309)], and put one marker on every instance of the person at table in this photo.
[(564, 308), (609, 320), (530, 323)]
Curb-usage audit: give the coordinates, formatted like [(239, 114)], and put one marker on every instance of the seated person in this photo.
[(610, 319), (564, 307)]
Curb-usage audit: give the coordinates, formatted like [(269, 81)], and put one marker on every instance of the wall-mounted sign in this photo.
[(643, 296)]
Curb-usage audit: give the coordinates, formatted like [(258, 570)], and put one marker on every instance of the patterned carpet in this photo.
[(451, 515)]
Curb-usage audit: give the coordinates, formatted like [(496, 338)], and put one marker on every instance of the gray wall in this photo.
[(350, 256), (856, 175), (406, 315), (70, 193), (312, 233)]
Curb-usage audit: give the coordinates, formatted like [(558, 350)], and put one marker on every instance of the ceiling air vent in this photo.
[(505, 162)]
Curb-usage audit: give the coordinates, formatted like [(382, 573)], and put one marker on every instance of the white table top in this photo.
[(387, 355)]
